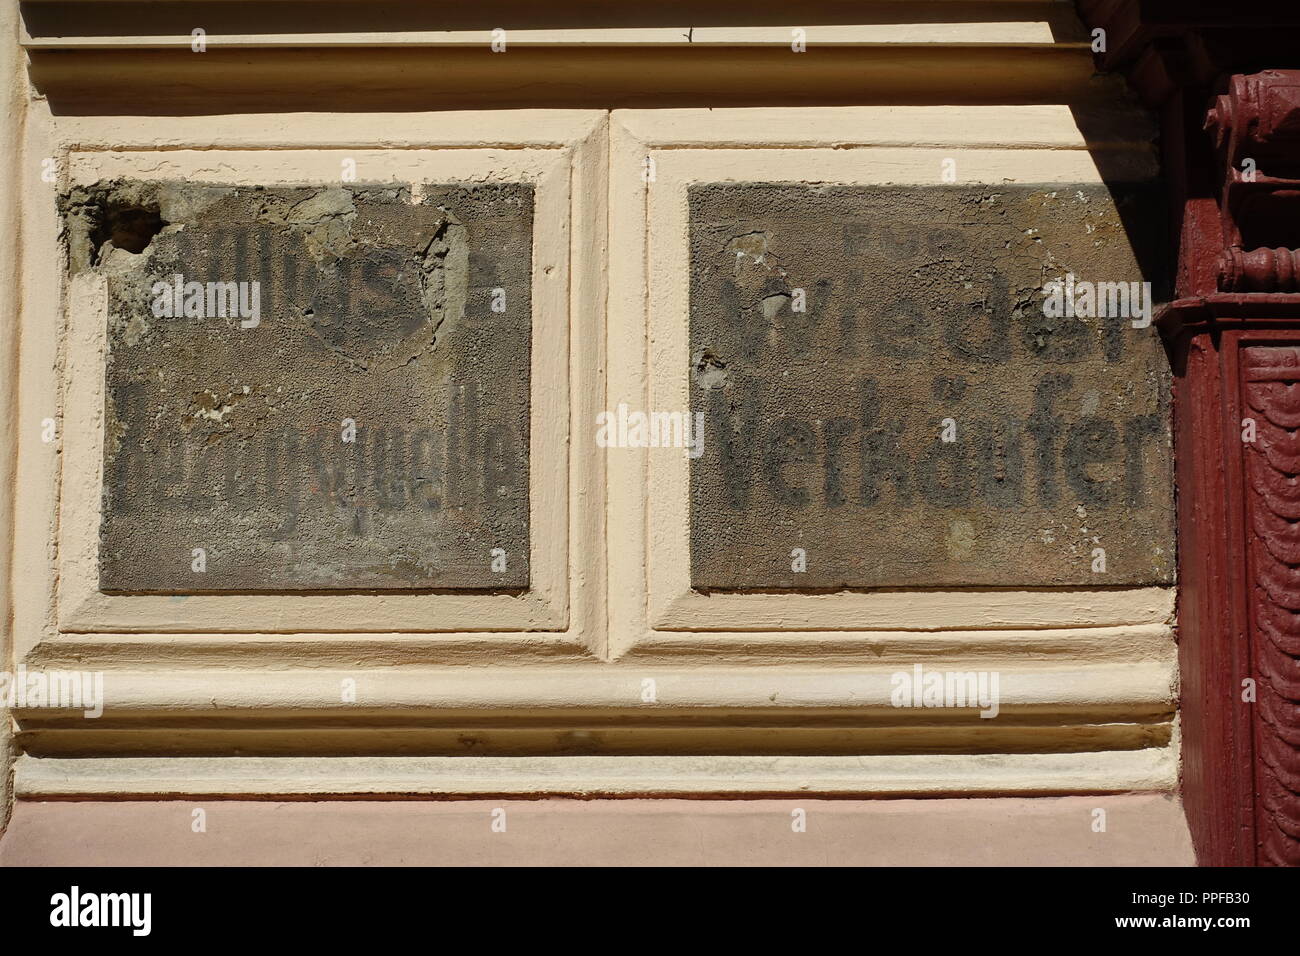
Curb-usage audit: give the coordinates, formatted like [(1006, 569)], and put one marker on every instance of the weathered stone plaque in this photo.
[(313, 388), (896, 394)]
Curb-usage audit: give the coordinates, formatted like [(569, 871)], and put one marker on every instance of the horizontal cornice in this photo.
[(127, 56)]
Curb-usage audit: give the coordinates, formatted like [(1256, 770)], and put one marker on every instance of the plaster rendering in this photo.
[(890, 399), (312, 388)]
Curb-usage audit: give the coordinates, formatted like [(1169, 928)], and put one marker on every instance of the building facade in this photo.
[(674, 435)]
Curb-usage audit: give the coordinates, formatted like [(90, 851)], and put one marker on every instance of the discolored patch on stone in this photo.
[(923, 318), (358, 419)]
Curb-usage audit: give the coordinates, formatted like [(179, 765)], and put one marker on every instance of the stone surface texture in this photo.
[(358, 419), (923, 319)]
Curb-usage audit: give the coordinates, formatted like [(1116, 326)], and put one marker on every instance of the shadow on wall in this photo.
[(169, 18), (243, 69)]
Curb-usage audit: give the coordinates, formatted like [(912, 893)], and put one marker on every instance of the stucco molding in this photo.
[(315, 777), (358, 56)]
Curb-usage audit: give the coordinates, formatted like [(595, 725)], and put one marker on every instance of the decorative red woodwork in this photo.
[(1270, 385), (1256, 131), (1226, 89), (1254, 332), (1261, 270), (1237, 430), (1236, 353)]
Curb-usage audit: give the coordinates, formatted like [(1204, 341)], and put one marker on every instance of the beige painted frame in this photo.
[(771, 698), (648, 334), (559, 151), (82, 607)]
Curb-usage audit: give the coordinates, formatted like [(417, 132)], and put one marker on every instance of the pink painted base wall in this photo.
[(1140, 830)]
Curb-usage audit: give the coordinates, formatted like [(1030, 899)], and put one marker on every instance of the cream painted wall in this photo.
[(752, 693), (11, 124)]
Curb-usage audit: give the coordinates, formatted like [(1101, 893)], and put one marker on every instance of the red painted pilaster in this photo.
[(1226, 87)]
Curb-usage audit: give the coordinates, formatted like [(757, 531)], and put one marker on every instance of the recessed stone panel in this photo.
[(312, 388), (891, 400)]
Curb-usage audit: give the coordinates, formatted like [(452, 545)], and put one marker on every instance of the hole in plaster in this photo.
[(129, 227)]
